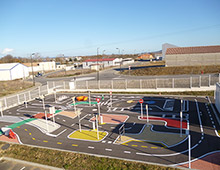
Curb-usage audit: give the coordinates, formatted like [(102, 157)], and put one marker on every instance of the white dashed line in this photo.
[(103, 141), (90, 147), (64, 120), (73, 124), (108, 150), (114, 109), (127, 152), (200, 141), (122, 109), (212, 122), (109, 141)]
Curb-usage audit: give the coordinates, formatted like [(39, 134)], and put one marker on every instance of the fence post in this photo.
[(219, 77), (200, 81), (18, 98), (87, 85), (6, 103), (173, 83), (140, 83), (209, 80), (156, 83), (190, 82), (112, 84), (64, 85)]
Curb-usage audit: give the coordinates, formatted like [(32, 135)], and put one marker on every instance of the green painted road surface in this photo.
[(84, 102)]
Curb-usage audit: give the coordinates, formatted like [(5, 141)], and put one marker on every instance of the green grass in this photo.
[(174, 70), (73, 161)]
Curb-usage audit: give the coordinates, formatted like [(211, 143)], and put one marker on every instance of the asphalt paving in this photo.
[(202, 126)]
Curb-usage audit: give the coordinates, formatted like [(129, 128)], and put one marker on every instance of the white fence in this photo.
[(217, 97)]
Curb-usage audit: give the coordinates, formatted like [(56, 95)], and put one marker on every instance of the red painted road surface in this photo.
[(170, 122), (41, 116)]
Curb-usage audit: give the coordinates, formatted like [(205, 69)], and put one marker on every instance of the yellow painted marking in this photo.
[(29, 133), (45, 141), (88, 135), (18, 127), (134, 145), (59, 143), (125, 144), (144, 146), (25, 129), (154, 147), (33, 138), (74, 145), (130, 101)]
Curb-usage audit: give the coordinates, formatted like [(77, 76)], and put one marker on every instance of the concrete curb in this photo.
[(30, 163)]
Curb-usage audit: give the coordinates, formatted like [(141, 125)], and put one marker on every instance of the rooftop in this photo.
[(8, 66), (193, 50), (104, 59)]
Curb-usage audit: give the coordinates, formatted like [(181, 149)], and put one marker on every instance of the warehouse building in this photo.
[(12, 71), (193, 56)]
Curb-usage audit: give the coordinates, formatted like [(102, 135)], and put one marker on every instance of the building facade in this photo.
[(12, 71), (193, 56), (106, 62)]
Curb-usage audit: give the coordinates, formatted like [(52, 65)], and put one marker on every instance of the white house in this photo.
[(12, 71), (41, 66), (105, 62)]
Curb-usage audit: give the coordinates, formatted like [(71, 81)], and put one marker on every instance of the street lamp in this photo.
[(32, 69), (97, 64), (119, 55)]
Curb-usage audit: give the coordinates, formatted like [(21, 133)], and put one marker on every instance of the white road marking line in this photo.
[(103, 141), (114, 109), (112, 127), (214, 127), (202, 137), (127, 152), (122, 109), (86, 125), (94, 110), (163, 115), (109, 141), (108, 150), (200, 122), (22, 168), (211, 118), (90, 147), (200, 141), (58, 118), (64, 120), (73, 124), (213, 122)]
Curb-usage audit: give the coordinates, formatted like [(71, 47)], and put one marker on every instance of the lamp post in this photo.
[(97, 64), (119, 55), (32, 69)]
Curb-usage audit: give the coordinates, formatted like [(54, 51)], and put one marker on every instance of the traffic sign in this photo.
[(98, 100), (110, 92), (141, 101)]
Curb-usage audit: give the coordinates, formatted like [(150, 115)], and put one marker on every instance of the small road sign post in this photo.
[(98, 104), (147, 113), (55, 95), (181, 119), (74, 103), (111, 99), (141, 102), (189, 151), (52, 111), (89, 97)]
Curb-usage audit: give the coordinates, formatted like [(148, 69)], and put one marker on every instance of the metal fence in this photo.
[(117, 84)]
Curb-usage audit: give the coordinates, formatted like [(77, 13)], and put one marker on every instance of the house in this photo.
[(146, 56), (105, 62), (41, 66), (12, 71), (193, 56)]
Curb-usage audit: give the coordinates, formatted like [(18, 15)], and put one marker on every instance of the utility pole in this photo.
[(97, 65), (32, 69)]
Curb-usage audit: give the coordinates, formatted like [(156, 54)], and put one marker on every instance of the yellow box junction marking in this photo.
[(88, 135)]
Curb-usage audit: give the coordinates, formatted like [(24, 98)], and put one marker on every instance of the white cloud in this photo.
[(7, 50)]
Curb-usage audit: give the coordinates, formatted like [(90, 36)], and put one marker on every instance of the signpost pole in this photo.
[(181, 117), (189, 152), (25, 99), (45, 112), (97, 124), (55, 96), (43, 102), (89, 98), (147, 113), (141, 110)]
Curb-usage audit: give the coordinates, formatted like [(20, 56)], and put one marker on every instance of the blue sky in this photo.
[(79, 27)]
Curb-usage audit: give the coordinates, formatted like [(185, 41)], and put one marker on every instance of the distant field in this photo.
[(173, 70), (70, 73), (68, 160), (9, 87)]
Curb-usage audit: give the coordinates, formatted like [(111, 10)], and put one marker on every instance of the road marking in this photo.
[(144, 146), (25, 129), (90, 147), (64, 120), (127, 152), (108, 150), (103, 141), (112, 127), (134, 145), (163, 115), (73, 124), (109, 141), (114, 109), (33, 138), (22, 168), (74, 145), (125, 144), (211, 118), (86, 125), (45, 141), (122, 109), (59, 143), (29, 133), (154, 147), (18, 127), (214, 127), (212, 122), (58, 118), (200, 122), (200, 141)]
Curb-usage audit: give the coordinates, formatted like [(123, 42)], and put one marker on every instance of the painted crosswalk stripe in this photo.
[(114, 109), (103, 141), (90, 147), (122, 109), (109, 141), (108, 150), (127, 152)]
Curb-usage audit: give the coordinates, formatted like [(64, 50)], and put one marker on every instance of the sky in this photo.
[(85, 27)]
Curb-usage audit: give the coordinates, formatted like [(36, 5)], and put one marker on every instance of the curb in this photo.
[(30, 163)]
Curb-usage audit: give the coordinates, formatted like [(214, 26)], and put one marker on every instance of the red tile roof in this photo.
[(104, 59), (193, 50)]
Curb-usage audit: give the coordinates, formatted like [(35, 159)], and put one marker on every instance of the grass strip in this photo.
[(69, 160)]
